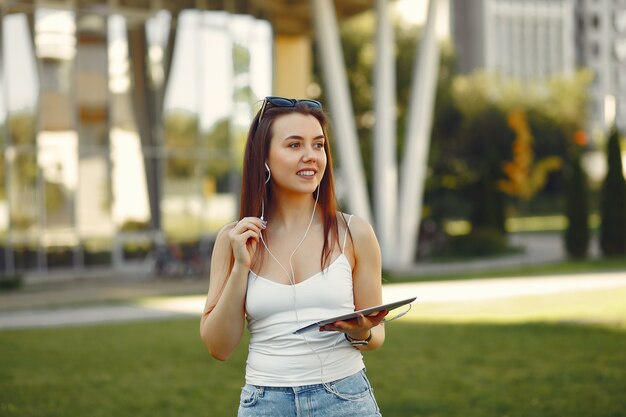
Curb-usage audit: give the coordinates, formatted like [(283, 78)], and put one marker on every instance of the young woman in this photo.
[(293, 259)]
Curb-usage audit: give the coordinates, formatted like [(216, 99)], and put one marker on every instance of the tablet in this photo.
[(365, 312)]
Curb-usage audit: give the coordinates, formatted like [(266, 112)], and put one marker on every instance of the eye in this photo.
[(319, 145), (294, 145)]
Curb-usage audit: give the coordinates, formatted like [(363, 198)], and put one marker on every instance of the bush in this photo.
[(10, 282), (613, 202), (479, 242), (576, 211)]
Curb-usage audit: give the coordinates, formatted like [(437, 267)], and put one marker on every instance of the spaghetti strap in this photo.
[(345, 236)]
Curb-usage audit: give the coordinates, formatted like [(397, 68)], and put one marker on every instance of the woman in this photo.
[(291, 260)]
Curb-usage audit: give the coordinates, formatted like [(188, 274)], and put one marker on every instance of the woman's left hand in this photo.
[(357, 328)]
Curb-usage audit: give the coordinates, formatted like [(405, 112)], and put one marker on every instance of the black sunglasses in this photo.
[(287, 102)]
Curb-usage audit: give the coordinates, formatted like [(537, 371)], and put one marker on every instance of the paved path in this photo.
[(153, 307)]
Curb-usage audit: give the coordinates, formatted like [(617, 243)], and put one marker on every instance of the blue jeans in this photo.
[(347, 397)]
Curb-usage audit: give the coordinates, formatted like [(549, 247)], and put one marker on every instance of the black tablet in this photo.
[(365, 312)]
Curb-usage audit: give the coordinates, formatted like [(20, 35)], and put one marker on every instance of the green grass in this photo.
[(563, 355)]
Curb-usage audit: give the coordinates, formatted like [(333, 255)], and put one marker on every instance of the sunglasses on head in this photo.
[(287, 102)]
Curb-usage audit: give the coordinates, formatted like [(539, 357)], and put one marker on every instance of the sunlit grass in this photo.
[(549, 356), (606, 307), (547, 223), (544, 223)]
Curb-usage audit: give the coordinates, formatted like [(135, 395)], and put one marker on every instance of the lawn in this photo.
[(530, 356)]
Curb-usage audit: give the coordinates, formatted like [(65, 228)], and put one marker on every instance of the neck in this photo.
[(291, 212)]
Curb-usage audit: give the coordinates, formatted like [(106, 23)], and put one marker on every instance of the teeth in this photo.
[(305, 173)]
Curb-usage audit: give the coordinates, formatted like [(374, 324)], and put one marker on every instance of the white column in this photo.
[(385, 170), (337, 91), (9, 157), (420, 118)]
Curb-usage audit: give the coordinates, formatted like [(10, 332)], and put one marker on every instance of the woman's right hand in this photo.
[(244, 239)]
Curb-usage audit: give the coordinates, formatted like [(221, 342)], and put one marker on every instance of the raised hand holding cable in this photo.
[(244, 239)]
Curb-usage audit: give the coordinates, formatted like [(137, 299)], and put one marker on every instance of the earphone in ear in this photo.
[(269, 173)]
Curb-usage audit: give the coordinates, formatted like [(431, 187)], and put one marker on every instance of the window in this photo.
[(595, 21)]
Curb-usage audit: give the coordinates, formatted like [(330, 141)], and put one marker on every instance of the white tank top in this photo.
[(276, 356)]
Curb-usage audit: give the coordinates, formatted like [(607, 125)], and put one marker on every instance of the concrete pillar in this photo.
[(417, 142), (341, 111), (292, 65), (384, 156)]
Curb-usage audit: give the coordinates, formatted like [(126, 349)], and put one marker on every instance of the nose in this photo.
[(310, 154)]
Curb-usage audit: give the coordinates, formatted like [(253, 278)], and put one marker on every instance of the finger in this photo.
[(248, 221), (242, 228), (247, 235), (380, 314)]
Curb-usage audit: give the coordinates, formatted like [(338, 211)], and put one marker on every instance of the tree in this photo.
[(181, 133), (525, 177), (576, 210), (613, 201), (484, 141)]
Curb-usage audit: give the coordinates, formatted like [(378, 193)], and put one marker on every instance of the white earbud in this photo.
[(269, 173)]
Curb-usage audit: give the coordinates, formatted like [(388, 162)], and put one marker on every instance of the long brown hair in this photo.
[(254, 191)]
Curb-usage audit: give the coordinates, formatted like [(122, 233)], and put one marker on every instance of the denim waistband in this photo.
[(301, 388)]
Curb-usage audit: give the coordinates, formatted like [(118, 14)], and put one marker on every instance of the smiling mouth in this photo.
[(306, 173)]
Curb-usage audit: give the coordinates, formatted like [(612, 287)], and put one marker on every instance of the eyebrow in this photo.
[(298, 137)]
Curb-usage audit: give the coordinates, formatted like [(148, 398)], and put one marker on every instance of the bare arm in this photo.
[(367, 282), (223, 319)]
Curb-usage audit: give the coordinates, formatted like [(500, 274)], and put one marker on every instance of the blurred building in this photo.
[(534, 39), (601, 46), (122, 122)]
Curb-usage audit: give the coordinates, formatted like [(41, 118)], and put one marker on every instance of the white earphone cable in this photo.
[(291, 278)]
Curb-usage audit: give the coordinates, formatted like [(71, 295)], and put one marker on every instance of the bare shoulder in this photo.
[(359, 227), (222, 242), (362, 233), (363, 245), (223, 232)]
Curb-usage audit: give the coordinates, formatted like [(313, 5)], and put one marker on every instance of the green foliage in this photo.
[(241, 58), (10, 282), (562, 98), (22, 133), (483, 139), (22, 129), (470, 137), (484, 142), (479, 242), (613, 201), (181, 133), (135, 225), (217, 142), (576, 210)]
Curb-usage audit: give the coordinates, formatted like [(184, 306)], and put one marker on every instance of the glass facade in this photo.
[(120, 131)]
